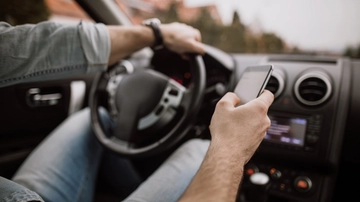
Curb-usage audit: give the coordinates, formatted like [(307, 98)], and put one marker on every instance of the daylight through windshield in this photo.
[(261, 26)]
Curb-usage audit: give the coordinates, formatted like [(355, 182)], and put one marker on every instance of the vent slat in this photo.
[(313, 89), (273, 85)]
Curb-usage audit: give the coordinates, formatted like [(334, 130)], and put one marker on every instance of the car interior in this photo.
[(310, 152)]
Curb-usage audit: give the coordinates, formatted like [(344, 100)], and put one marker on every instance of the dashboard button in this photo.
[(251, 169), (312, 139), (274, 173), (309, 149), (303, 184)]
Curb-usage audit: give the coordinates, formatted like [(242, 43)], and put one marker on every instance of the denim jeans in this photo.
[(64, 168)]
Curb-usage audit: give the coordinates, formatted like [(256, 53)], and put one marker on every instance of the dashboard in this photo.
[(178, 69), (303, 153)]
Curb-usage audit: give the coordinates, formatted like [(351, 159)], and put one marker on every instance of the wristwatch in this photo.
[(154, 24)]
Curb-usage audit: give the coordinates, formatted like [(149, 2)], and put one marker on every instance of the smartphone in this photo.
[(252, 82)]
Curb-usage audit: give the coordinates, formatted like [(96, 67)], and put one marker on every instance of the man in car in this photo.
[(65, 165)]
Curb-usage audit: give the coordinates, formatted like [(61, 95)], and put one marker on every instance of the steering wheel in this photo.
[(151, 112)]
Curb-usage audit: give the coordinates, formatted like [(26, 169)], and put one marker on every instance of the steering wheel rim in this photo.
[(191, 104)]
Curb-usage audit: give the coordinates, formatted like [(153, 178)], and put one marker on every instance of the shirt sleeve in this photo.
[(49, 50)]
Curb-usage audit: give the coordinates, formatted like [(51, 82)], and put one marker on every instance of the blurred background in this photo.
[(314, 27)]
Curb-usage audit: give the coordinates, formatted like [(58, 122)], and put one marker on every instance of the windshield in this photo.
[(316, 27), (321, 27)]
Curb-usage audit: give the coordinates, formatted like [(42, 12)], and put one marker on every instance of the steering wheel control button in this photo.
[(159, 110), (173, 92), (303, 184)]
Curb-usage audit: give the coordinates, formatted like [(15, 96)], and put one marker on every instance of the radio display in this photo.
[(287, 130)]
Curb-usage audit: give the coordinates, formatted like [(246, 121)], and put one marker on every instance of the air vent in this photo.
[(275, 84), (313, 88)]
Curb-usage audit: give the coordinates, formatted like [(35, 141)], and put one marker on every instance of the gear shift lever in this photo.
[(258, 192)]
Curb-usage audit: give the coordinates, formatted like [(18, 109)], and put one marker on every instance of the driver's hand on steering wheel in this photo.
[(182, 38), (177, 37)]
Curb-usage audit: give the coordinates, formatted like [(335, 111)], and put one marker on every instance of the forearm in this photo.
[(125, 40), (51, 50), (219, 176), (236, 133)]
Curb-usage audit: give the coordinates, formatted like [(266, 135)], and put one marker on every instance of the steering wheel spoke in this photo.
[(175, 93), (103, 82), (186, 99)]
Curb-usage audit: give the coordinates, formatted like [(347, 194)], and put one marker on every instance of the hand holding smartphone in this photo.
[(252, 82)]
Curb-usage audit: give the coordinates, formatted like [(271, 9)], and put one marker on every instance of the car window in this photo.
[(17, 12), (66, 11), (321, 27)]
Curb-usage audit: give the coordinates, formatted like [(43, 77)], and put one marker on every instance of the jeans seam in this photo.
[(50, 71), (85, 179)]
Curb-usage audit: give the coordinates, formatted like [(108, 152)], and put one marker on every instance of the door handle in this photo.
[(36, 99)]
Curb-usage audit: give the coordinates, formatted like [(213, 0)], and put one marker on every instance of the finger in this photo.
[(197, 35), (266, 97), (184, 57), (229, 100), (197, 47)]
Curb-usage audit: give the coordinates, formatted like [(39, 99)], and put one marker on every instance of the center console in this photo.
[(300, 152)]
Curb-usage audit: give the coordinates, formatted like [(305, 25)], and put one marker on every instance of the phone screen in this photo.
[(252, 82)]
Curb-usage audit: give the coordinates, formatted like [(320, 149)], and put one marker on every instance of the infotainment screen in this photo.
[(286, 130)]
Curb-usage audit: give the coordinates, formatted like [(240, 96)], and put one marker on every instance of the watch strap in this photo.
[(155, 26)]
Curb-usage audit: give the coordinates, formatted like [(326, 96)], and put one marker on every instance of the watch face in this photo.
[(151, 21)]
